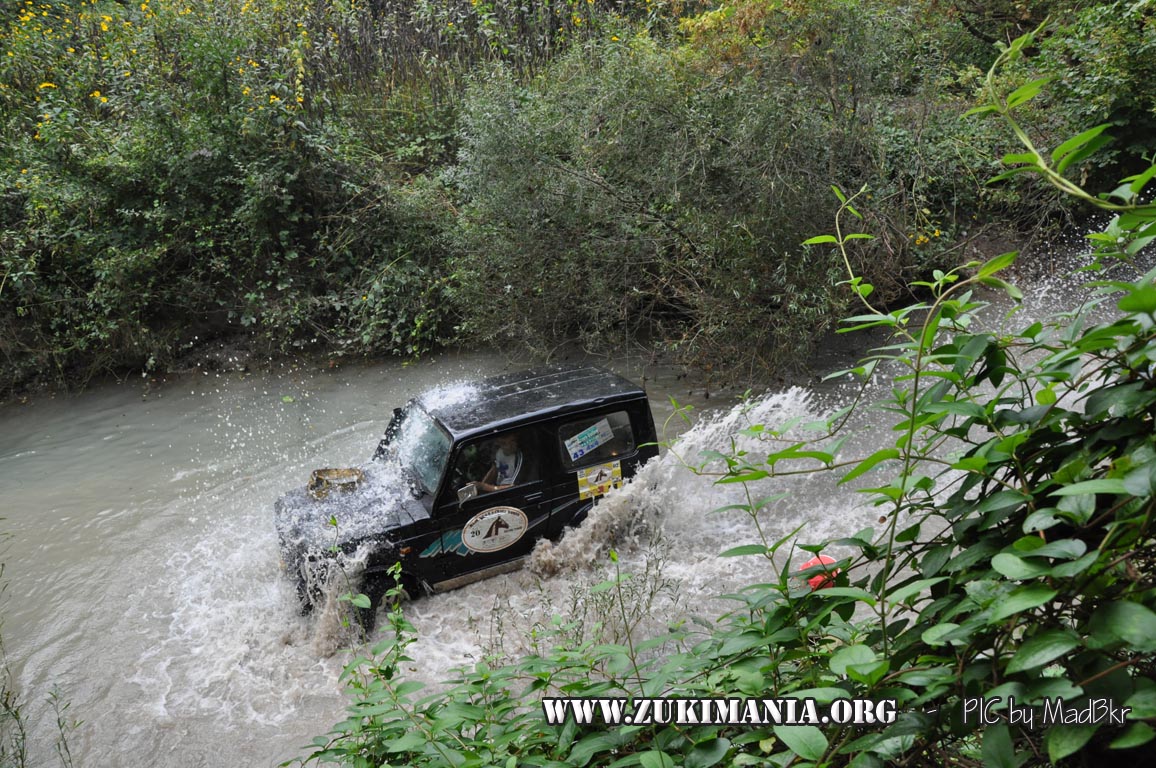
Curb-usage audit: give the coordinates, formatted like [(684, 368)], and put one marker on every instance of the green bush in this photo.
[(666, 188), (1014, 558), (172, 172)]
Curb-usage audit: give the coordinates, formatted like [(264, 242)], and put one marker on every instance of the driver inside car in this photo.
[(506, 466)]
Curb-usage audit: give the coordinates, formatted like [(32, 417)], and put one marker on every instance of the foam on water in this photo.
[(167, 621), (448, 395), (147, 587)]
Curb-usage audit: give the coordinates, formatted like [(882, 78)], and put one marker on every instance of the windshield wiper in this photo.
[(416, 487)]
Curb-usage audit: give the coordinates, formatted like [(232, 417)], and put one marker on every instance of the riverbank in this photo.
[(601, 176)]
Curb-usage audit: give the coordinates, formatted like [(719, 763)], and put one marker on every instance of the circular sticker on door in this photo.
[(494, 529)]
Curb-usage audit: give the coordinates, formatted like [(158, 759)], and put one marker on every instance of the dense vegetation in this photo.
[(1014, 558), (384, 177)]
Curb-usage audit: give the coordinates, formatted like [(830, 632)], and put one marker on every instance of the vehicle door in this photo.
[(493, 507), (596, 451)]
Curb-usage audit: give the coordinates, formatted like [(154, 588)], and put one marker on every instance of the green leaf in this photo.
[(994, 282), (1078, 141), (854, 592), (981, 110), (848, 655), (1042, 649), (745, 549), (1075, 567), (707, 753), (1026, 92), (870, 462), (1065, 740), (1016, 568), (1001, 262), (656, 759), (997, 748), (1141, 481), (1040, 520), (806, 741), (1131, 622), (744, 476), (1030, 158), (584, 750), (1140, 180), (1064, 549), (1142, 703), (820, 239), (935, 635), (1139, 299), (869, 674), (408, 687), (1012, 172), (914, 588), (361, 601), (1083, 153), (1023, 599), (414, 741), (1137, 734), (1113, 485)]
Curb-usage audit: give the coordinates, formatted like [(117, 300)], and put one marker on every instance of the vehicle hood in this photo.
[(379, 505)]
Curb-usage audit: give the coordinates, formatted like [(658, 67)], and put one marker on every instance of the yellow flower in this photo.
[(95, 94), (245, 91), (46, 85), (24, 170), (273, 98)]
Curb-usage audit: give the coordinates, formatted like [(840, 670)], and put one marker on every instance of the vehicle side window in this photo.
[(595, 439), (504, 460)]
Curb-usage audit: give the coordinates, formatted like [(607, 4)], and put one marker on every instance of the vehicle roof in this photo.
[(530, 395)]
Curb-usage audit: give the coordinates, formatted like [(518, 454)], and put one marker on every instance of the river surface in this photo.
[(142, 570)]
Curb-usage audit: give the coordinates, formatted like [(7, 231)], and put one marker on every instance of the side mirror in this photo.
[(467, 492)]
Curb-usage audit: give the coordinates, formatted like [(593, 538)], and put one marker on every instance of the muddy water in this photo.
[(143, 581)]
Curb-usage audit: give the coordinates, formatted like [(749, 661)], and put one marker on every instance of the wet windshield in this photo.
[(422, 447)]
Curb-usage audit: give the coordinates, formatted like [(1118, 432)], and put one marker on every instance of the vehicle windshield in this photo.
[(422, 447)]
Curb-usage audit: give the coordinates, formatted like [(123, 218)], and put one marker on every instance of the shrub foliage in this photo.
[(369, 177), (1014, 556)]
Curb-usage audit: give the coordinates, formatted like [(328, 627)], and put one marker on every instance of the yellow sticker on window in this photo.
[(599, 479)]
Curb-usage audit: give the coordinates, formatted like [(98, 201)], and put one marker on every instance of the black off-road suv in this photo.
[(466, 480)]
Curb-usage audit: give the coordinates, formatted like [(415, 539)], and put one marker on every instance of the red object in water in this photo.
[(822, 580)]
